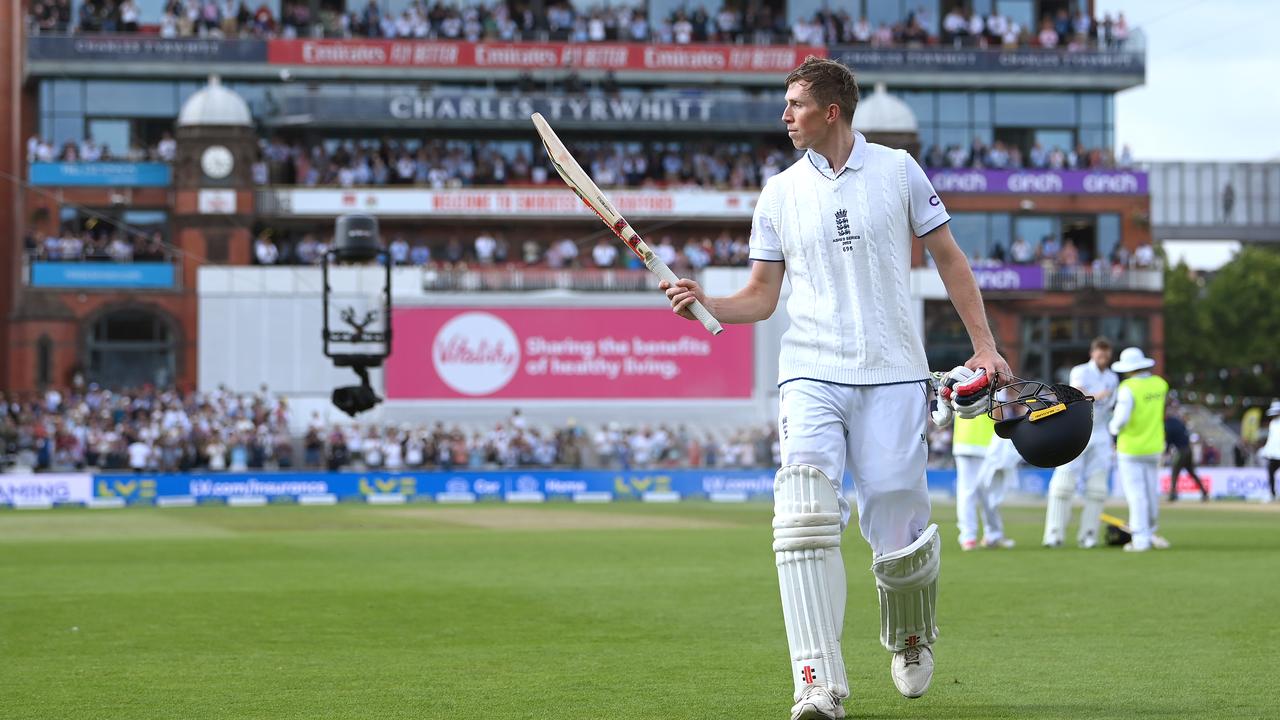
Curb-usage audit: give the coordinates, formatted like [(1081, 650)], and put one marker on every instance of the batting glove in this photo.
[(967, 391), (941, 412)]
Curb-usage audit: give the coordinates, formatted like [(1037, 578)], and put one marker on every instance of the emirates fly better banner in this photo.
[(534, 56), (563, 353)]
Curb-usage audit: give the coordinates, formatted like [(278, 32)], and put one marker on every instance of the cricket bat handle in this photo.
[(704, 316)]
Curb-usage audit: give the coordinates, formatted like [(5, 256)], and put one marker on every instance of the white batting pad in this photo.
[(907, 580), (1095, 496), (1062, 486), (806, 543)]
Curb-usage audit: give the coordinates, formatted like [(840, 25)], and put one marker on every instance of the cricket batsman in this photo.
[(854, 383)]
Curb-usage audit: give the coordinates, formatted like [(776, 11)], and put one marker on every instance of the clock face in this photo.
[(217, 162)]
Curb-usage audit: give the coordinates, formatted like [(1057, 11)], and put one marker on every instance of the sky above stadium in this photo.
[(1210, 93)]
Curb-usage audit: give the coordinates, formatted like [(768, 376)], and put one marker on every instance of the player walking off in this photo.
[(969, 443), (1094, 464), (853, 380), (1138, 424)]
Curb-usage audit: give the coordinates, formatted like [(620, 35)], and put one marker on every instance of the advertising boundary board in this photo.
[(318, 487), (443, 486), (45, 489)]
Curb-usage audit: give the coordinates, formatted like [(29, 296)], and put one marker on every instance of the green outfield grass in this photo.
[(618, 611)]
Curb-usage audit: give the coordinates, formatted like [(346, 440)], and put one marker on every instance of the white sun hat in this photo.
[(1132, 359)]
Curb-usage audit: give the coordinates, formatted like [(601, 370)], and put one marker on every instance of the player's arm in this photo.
[(961, 286), (756, 300), (1123, 409)]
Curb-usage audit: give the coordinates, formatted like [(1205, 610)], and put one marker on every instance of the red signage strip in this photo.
[(541, 56)]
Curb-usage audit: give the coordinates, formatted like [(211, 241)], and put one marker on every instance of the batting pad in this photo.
[(1095, 496), (806, 544), (1062, 486), (907, 580)]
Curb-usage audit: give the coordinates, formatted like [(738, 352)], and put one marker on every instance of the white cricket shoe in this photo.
[(1003, 543), (1159, 543), (1130, 547), (817, 703), (1088, 541), (913, 670)]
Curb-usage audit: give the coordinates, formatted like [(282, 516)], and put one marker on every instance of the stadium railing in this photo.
[(1086, 277)]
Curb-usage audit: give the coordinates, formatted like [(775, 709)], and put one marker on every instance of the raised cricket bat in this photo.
[(581, 183)]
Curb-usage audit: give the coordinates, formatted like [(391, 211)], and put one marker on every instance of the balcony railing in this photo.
[(535, 279), (1070, 279)]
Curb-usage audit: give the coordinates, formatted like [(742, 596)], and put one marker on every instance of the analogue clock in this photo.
[(217, 162)]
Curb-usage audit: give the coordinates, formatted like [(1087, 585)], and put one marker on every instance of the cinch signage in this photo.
[(1039, 182)]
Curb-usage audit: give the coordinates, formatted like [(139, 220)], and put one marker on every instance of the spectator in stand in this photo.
[(485, 245), (1144, 256), (398, 250), (1050, 246), (420, 254), (1048, 37), (604, 254), (265, 251), (1120, 32)]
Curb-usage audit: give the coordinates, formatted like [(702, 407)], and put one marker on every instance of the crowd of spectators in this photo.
[(493, 249), (563, 22), (96, 242), (157, 430), (460, 163), (154, 430), (1058, 252), (715, 165), (145, 430), (1002, 155), (41, 149)]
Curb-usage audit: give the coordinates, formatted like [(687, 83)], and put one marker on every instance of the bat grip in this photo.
[(699, 311), (704, 316)]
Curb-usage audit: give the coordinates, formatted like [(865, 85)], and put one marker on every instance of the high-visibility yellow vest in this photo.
[(1144, 433), (972, 436)]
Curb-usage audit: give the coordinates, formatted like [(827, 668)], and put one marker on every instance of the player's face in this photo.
[(806, 120), (1101, 357)]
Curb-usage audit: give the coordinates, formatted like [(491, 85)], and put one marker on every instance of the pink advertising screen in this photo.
[(555, 353)]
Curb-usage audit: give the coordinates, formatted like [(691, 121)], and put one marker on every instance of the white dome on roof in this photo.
[(214, 105), (882, 112)]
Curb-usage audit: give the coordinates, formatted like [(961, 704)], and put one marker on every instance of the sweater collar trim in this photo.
[(855, 162)]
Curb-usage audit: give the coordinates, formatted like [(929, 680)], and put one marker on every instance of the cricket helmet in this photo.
[(1049, 425)]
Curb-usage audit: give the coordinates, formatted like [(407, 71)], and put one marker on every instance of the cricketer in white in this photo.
[(1095, 379), (853, 380)]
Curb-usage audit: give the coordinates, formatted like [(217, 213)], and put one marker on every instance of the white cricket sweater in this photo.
[(846, 241)]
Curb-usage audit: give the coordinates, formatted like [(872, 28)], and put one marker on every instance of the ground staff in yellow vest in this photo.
[(969, 441), (1138, 426)]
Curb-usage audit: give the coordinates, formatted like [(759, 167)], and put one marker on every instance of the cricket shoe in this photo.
[(1088, 541), (817, 703), (999, 544), (912, 670), (967, 545), (1130, 547), (1159, 543)]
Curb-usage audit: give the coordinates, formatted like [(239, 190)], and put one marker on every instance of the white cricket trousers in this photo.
[(877, 433), (970, 500), (1140, 478)]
